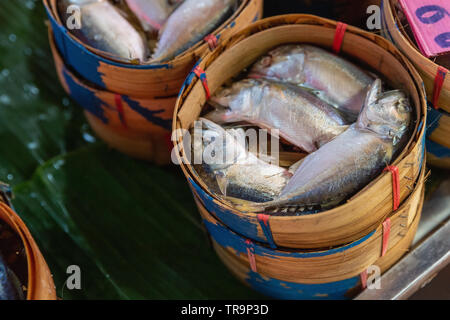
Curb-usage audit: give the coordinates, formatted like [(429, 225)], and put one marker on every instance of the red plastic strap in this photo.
[(438, 83), (339, 37), (202, 76), (395, 186), (251, 255), (386, 234), (363, 277), (212, 41), (168, 139), (119, 106)]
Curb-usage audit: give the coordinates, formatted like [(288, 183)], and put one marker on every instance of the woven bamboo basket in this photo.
[(438, 142), (137, 127), (364, 211), (40, 284), (394, 31), (326, 274), (145, 80)]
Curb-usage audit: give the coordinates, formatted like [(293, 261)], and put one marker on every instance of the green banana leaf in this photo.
[(132, 228)]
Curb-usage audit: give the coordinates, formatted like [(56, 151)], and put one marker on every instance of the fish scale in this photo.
[(349, 162), (340, 82), (302, 119)]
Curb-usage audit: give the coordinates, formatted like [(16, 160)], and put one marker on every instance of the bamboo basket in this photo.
[(363, 212), (40, 284), (324, 274), (141, 128), (145, 80), (438, 142), (394, 31)]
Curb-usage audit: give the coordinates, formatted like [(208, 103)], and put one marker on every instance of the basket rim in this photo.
[(31, 249), (196, 49)]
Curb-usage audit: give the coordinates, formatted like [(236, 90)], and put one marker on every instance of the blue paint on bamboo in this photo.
[(190, 77), (268, 233), (150, 115), (296, 291), (242, 226), (437, 150), (85, 98), (283, 289), (432, 120), (228, 239)]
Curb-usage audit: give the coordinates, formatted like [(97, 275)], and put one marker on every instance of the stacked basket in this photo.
[(436, 81), (32, 270), (130, 106), (324, 255)]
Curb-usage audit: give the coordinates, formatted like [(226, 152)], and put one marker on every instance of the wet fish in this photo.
[(235, 172), (104, 28), (340, 82), (151, 13), (9, 284), (346, 164), (302, 119), (188, 24)]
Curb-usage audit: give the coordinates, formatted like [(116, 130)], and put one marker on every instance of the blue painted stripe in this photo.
[(437, 150), (85, 98), (340, 290), (150, 115), (245, 227), (268, 233), (189, 78), (433, 119)]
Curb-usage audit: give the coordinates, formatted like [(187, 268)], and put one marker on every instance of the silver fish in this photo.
[(302, 119), (235, 172), (151, 13), (340, 82), (104, 28), (10, 288), (188, 24), (346, 164)]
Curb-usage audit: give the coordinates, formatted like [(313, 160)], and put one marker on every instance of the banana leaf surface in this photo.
[(132, 228)]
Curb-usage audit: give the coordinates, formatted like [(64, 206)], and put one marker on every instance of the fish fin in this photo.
[(245, 205), (222, 182), (374, 92)]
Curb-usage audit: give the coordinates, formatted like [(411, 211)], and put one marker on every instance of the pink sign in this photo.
[(430, 23)]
